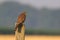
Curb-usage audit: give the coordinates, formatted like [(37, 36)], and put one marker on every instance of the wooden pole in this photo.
[(20, 33)]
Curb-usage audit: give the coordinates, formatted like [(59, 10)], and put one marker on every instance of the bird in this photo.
[(20, 20)]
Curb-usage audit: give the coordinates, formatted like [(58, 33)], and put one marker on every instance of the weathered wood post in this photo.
[(20, 27)]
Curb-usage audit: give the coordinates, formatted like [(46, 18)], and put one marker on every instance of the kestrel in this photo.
[(20, 20)]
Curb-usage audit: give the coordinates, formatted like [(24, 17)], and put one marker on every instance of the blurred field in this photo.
[(30, 37)]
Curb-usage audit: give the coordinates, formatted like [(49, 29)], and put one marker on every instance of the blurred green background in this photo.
[(44, 21)]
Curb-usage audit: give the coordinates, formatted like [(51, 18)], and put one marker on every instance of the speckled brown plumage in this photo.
[(20, 20)]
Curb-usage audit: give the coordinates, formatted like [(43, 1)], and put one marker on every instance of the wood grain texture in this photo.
[(20, 35)]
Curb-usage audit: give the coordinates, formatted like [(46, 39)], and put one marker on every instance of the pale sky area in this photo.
[(39, 3)]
